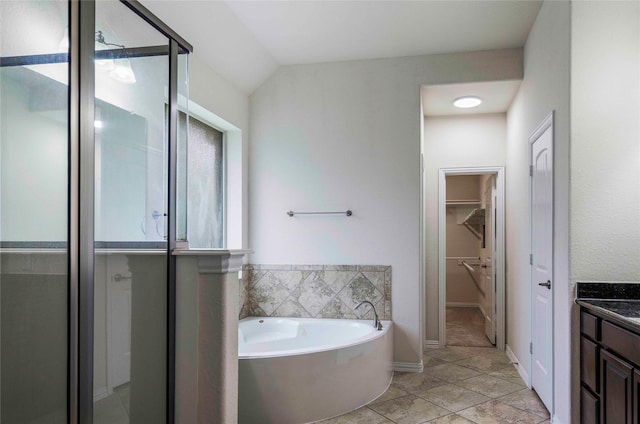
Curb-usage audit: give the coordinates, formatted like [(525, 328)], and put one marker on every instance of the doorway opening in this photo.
[(471, 257)]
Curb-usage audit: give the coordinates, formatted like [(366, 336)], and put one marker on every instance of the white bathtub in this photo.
[(299, 370)]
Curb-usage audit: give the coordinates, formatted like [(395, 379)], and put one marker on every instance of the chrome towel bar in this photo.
[(347, 213)]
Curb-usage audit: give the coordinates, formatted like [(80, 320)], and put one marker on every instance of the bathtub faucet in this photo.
[(376, 322)]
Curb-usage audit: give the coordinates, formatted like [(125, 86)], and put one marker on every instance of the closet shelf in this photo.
[(475, 218), (476, 224), (463, 202)]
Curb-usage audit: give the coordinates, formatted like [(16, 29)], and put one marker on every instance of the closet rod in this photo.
[(473, 277), (457, 258)]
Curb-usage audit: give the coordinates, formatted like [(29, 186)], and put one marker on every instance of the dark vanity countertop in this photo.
[(619, 302)]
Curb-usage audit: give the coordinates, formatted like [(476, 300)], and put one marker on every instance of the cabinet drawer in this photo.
[(589, 364), (589, 407), (621, 341), (589, 325)]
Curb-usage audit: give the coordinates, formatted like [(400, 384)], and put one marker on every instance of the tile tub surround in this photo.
[(315, 291)]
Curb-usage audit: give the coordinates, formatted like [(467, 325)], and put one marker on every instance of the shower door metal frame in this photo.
[(81, 204), (81, 212)]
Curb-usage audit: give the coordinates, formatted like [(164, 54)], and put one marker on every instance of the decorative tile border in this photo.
[(316, 291)]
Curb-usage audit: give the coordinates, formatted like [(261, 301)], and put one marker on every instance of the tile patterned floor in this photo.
[(114, 409), (465, 327), (460, 384)]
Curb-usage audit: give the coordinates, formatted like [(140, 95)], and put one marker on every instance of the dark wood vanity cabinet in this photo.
[(609, 372), (617, 378), (636, 397)]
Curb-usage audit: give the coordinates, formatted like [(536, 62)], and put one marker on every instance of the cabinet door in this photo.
[(616, 382), (636, 397), (589, 407)]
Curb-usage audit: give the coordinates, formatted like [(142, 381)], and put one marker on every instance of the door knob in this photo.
[(547, 284)]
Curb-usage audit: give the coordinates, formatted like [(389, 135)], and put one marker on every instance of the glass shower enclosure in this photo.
[(89, 142)]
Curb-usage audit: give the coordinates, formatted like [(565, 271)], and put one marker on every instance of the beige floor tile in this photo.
[(495, 412), (451, 372), (486, 363), (454, 398), (526, 400), (448, 354), (359, 416), (451, 419), (475, 350), (413, 382), (465, 327), (394, 391), (430, 361), (509, 374), (489, 386), (409, 410)]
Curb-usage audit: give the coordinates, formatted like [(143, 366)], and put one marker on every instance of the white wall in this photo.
[(605, 112), (33, 182), (346, 135), (454, 141), (545, 88), (605, 148)]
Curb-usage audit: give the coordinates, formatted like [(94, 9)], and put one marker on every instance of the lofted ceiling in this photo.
[(246, 41)]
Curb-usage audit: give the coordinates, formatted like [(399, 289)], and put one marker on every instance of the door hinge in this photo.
[(531, 170), (531, 348), (530, 258)]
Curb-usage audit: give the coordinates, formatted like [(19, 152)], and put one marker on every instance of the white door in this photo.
[(542, 264), (119, 323), (488, 260)]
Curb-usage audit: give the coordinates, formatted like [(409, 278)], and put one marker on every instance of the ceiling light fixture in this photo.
[(119, 69), (63, 46), (122, 72), (467, 102)]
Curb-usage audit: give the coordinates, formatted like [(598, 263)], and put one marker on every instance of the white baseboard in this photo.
[(556, 420), (432, 344), (516, 363), (463, 305), (100, 393), (408, 366)]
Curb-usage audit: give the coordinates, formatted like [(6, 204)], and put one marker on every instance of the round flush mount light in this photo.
[(467, 102)]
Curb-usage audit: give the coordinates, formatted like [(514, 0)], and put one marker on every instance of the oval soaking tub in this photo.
[(299, 370)]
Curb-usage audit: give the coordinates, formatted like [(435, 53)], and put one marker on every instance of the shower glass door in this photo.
[(115, 308), (34, 181), (131, 163)]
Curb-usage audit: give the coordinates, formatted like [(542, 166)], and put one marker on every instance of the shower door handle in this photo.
[(547, 284)]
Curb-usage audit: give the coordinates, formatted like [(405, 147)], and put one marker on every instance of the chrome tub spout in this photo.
[(376, 322)]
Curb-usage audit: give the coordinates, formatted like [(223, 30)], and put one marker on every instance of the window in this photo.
[(204, 182)]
